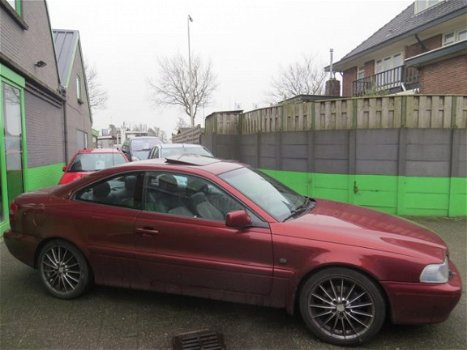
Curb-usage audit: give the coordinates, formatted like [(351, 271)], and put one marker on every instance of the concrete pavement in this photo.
[(112, 318)]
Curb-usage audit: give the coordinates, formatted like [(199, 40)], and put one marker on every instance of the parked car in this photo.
[(138, 148), (87, 161), (204, 227), (165, 150)]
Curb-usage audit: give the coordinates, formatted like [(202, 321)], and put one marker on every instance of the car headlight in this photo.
[(435, 273)]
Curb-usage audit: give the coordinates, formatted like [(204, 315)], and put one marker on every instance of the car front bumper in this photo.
[(417, 303)]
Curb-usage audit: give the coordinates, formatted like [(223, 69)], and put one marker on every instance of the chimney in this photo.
[(333, 86)]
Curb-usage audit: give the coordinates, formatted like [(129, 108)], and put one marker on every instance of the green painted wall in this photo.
[(43, 176), (417, 196), (34, 179)]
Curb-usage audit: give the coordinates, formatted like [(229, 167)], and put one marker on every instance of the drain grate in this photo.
[(199, 340)]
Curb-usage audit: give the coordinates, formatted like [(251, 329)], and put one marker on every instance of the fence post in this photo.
[(401, 171), (352, 167), (310, 162), (258, 149)]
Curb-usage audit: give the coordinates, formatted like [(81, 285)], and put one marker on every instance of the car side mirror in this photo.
[(238, 219), (64, 168)]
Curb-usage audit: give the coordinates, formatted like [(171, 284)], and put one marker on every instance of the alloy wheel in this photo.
[(341, 308), (61, 269)]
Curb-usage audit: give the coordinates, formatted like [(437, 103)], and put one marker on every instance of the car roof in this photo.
[(177, 145), (98, 150), (186, 163), (182, 162), (144, 138)]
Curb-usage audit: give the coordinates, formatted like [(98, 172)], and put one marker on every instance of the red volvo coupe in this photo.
[(204, 227)]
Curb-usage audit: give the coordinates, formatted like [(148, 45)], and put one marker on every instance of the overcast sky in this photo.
[(246, 40)]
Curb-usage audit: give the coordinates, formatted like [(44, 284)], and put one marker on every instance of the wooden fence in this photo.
[(413, 111), (188, 135)]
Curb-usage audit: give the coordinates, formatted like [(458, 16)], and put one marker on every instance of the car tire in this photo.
[(342, 306), (63, 269)]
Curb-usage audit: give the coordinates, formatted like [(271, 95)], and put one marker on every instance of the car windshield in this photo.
[(174, 151), (96, 161), (278, 200)]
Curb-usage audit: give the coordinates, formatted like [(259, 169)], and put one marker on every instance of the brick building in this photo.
[(36, 134), (423, 49)]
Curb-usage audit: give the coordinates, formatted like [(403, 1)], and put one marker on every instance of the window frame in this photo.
[(257, 220), (84, 134), (137, 193), (17, 7), (78, 89), (15, 12), (455, 35)]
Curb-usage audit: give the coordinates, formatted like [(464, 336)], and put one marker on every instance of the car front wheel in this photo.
[(63, 269), (342, 306)]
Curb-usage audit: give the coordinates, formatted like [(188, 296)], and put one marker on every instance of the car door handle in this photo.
[(147, 231)]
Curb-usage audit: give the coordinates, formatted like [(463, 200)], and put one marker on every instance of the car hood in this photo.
[(352, 225)]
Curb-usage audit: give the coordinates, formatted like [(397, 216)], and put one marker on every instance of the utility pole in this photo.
[(190, 91)]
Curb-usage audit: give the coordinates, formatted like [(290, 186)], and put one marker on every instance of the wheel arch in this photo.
[(294, 306), (49, 239)]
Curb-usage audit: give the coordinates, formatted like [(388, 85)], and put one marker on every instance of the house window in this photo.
[(422, 5), (16, 5), (462, 35), (12, 3), (448, 38), (81, 139), (12, 140), (78, 88), (454, 36), (361, 72)]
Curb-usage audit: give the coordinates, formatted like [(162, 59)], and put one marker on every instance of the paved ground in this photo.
[(109, 318)]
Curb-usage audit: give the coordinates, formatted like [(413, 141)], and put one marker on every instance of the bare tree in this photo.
[(156, 131), (302, 77), (97, 95), (181, 123), (175, 87)]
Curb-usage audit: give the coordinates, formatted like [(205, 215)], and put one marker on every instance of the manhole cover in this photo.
[(199, 340)]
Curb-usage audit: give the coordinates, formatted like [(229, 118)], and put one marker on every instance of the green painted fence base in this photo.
[(34, 179), (411, 196), (44, 176)]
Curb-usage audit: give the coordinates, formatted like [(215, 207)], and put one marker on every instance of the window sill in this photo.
[(13, 14)]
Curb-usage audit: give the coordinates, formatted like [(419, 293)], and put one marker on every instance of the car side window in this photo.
[(186, 195), (121, 191)]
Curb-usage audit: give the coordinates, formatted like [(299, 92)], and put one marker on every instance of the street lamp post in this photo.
[(190, 88)]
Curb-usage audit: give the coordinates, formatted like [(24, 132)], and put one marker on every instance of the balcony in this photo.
[(390, 81)]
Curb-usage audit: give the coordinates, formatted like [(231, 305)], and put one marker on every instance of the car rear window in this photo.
[(173, 151), (96, 161)]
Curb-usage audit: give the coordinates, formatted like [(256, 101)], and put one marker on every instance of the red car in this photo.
[(87, 161), (216, 229)]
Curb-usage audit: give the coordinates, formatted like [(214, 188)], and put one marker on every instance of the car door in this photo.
[(178, 249), (104, 215)]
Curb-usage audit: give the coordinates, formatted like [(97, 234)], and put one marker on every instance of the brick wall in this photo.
[(77, 114), (369, 68), (445, 77), (26, 47), (350, 75), (430, 43)]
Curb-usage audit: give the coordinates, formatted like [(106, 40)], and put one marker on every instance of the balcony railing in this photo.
[(399, 78)]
